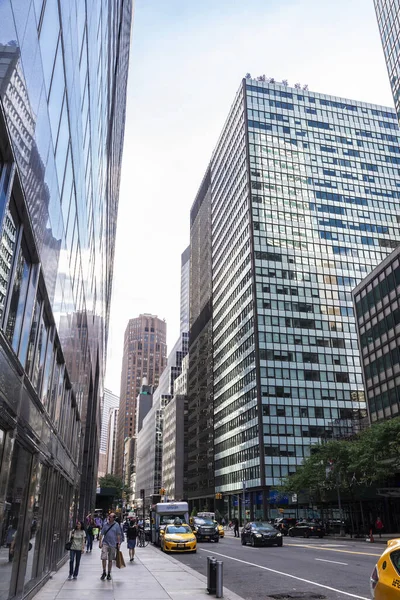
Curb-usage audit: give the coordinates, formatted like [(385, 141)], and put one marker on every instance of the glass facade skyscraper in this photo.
[(304, 196), (387, 12), (63, 76)]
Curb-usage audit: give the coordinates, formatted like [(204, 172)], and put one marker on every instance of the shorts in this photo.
[(108, 553), (131, 544)]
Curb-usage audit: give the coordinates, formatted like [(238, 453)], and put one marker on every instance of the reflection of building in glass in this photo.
[(63, 79), (304, 201), (145, 352), (387, 13)]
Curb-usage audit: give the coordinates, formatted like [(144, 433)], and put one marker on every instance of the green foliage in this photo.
[(112, 481), (371, 457), (194, 512)]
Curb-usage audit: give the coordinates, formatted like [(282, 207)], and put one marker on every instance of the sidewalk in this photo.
[(152, 576)]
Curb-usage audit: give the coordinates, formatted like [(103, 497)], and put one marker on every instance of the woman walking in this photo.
[(131, 536), (78, 539), (90, 535)]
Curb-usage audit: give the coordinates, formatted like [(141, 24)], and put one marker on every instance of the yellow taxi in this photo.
[(178, 538), (221, 530), (385, 578)]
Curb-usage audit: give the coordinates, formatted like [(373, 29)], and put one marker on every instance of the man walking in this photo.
[(110, 539)]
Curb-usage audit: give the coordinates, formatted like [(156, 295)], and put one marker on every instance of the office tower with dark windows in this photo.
[(200, 442), (377, 306), (112, 440), (145, 355), (304, 203), (109, 403), (387, 12), (63, 77)]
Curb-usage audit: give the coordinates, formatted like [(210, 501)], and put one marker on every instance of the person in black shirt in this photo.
[(131, 536)]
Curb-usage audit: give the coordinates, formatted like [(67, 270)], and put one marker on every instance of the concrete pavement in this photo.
[(152, 576)]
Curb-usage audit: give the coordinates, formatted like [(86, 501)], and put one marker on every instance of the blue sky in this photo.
[(187, 61)]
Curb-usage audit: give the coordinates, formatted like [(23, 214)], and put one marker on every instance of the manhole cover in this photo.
[(297, 596)]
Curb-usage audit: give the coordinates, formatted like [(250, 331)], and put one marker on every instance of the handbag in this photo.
[(69, 543), (119, 560)]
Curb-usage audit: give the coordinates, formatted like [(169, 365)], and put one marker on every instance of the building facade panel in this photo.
[(63, 73)]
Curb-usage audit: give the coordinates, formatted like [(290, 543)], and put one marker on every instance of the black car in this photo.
[(261, 534), (307, 530), (205, 529)]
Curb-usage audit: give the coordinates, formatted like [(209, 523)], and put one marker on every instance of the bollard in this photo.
[(211, 575), (219, 578)]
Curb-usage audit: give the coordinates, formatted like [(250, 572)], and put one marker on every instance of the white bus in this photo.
[(164, 513)]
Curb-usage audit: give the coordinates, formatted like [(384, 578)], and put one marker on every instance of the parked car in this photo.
[(284, 524), (304, 529), (178, 538), (385, 578), (261, 534)]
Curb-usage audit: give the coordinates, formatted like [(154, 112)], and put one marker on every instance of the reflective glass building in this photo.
[(388, 15), (63, 75), (304, 203)]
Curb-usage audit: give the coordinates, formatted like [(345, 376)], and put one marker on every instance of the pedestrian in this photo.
[(90, 529), (110, 540), (131, 537), (223, 522), (77, 539), (99, 524), (379, 526), (236, 526)]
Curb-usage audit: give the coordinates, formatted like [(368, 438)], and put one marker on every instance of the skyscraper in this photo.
[(387, 12), (304, 194), (63, 76), (185, 273), (145, 355), (110, 402), (200, 442)]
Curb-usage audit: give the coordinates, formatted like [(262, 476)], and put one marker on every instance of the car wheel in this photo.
[(253, 542), (216, 540), (280, 544), (291, 534), (194, 551), (306, 535), (243, 541)]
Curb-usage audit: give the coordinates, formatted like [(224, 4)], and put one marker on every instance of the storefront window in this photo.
[(13, 519), (35, 511)]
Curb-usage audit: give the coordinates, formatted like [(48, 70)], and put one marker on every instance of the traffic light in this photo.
[(218, 496), (162, 492)]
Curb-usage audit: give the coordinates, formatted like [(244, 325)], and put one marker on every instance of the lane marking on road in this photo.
[(335, 562), (330, 549), (326, 587)]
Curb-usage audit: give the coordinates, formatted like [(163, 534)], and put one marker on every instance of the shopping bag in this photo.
[(119, 560)]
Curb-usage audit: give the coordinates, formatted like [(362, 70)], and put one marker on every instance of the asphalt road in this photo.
[(303, 569)]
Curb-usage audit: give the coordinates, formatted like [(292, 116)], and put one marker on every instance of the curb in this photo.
[(226, 593)]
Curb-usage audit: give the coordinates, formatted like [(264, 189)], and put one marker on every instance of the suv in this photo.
[(205, 529)]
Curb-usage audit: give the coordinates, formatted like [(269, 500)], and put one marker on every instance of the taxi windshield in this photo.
[(178, 529)]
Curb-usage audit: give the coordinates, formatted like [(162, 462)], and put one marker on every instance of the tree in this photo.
[(194, 512), (373, 456), (113, 481)]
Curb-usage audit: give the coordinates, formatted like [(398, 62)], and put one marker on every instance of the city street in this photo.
[(303, 568)]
